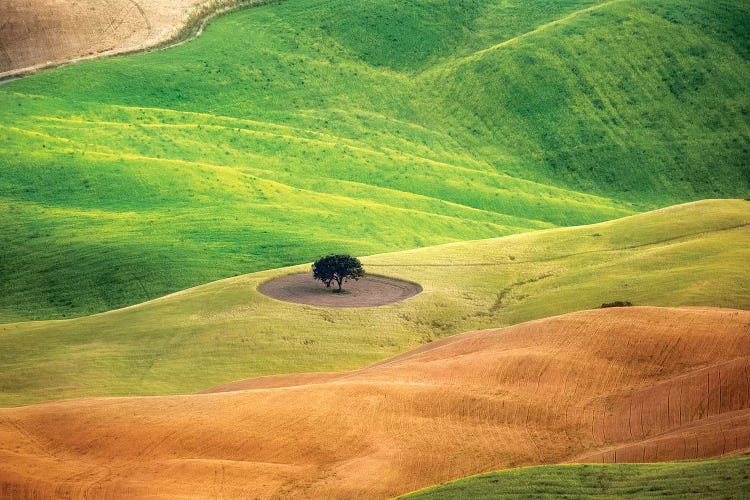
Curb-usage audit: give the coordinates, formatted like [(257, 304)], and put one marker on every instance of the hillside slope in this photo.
[(723, 478), (694, 254), (536, 393), (632, 99), (291, 130)]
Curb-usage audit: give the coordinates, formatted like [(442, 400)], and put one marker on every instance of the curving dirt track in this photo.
[(638, 383), (39, 33), (369, 291)]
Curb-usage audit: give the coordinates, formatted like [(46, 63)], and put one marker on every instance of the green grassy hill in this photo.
[(722, 478), (694, 254), (637, 100), (291, 130)]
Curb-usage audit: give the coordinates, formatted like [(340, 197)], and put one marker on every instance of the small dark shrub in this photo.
[(617, 303)]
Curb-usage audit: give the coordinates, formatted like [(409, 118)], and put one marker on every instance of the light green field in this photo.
[(694, 254), (293, 130), (725, 478)]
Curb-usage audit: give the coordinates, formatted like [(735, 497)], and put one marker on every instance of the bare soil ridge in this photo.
[(369, 291), (635, 384), (40, 34)]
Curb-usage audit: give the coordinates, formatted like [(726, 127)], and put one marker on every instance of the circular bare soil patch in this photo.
[(368, 291)]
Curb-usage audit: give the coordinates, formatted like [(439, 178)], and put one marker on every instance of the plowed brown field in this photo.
[(37, 33), (632, 384)]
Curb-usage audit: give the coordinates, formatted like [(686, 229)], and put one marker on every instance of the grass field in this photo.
[(723, 478), (692, 254), (292, 130)]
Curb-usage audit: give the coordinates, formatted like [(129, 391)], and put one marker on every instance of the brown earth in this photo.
[(636, 384), (371, 290), (39, 33)]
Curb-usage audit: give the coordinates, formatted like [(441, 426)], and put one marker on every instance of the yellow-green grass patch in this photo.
[(693, 254)]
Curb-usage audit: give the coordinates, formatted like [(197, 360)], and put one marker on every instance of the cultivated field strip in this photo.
[(542, 392), (41, 34)]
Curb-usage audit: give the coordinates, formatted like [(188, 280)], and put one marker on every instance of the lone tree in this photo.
[(338, 268)]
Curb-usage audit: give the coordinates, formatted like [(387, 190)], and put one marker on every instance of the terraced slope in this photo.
[(288, 131), (537, 393), (693, 254), (725, 478)]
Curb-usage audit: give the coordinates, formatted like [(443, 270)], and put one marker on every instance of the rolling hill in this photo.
[(689, 255), (296, 129), (589, 383), (286, 131)]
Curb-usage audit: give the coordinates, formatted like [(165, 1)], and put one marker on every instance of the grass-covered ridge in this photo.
[(719, 478), (692, 254), (292, 130)]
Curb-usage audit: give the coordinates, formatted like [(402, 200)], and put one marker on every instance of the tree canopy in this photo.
[(338, 268)]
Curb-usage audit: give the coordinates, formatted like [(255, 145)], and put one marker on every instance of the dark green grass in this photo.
[(638, 100), (293, 130), (720, 478)]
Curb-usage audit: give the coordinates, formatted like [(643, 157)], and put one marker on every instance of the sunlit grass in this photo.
[(692, 254), (293, 130)]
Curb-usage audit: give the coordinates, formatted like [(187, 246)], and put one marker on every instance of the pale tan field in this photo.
[(39, 33), (639, 383)]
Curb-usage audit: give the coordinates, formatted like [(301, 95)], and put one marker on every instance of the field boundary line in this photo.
[(192, 28)]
